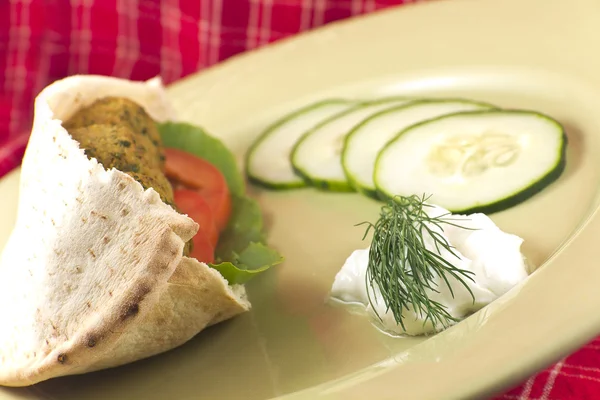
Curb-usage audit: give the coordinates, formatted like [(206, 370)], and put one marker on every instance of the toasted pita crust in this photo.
[(93, 275)]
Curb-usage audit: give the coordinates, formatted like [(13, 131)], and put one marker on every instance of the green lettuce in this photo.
[(242, 252)]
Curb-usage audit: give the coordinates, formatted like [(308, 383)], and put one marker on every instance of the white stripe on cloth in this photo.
[(305, 16), (252, 28), (581, 367), (214, 42), (15, 72), (320, 6), (359, 6), (128, 43), (203, 35), (80, 43), (74, 39), (580, 376), (265, 31), (85, 47), (170, 54), (42, 72), (527, 389), (551, 379), (370, 5)]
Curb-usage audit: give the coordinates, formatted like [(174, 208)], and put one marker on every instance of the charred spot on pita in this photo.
[(91, 341), (133, 307), (131, 310)]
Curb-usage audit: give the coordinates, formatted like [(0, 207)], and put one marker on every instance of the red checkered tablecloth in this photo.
[(43, 40)]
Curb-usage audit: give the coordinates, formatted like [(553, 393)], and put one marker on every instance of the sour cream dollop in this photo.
[(492, 255)]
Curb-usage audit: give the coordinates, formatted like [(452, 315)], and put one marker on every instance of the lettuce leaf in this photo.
[(195, 140), (242, 252)]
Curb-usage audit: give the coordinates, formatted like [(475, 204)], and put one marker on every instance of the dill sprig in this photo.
[(403, 268)]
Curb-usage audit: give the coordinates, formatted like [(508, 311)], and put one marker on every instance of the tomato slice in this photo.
[(202, 250), (204, 178), (191, 203)]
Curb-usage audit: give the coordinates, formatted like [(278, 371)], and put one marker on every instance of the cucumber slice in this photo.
[(317, 155), (268, 159), (478, 161), (365, 141)]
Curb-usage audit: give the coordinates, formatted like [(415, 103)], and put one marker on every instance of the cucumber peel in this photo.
[(365, 141), (316, 156), (475, 161), (268, 159)]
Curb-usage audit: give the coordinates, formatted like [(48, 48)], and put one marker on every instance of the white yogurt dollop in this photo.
[(492, 255)]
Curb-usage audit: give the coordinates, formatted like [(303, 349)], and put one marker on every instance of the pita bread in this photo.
[(93, 274)]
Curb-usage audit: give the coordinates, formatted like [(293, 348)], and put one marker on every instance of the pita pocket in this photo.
[(93, 275)]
